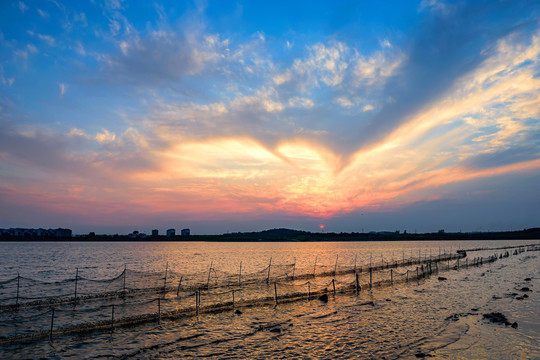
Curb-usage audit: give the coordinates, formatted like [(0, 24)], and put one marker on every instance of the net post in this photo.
[(76, 278), (197, 292), (392, 276), (269, 267), (209, 272), (240, 275), (124, 290), (52, 324), (112, 318), (357, 285), (294, 269), (334, 286), (165, 280), (315, 266), (370, 278), (179, 284), (159, 309), (18, 285)]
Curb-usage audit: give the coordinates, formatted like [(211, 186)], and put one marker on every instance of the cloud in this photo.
[(105, 136), (31, 48), (22, 7), (42, 13), (326, 64), (367, 107), (48, 39), (301, 102), (446, 48), (164, 57), (124, 47), (345, 102), (79, 48), (63, 88)]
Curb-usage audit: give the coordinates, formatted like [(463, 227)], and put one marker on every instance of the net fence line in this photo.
[(107, 314), (21, 291)]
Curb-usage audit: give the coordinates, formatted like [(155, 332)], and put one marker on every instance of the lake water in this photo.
[(443, 318)]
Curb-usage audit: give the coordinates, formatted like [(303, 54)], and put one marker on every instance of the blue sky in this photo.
[(239, 116)]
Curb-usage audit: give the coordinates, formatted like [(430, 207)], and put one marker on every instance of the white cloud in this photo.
[(42, 13), (22, 6), (63, 88), (114, 27), (282, 78), (367, 107), (77, 132), (31, 48), (345, 102), (21, 53), (105, 136), (374, 70), (124, 47), (325, 63), (265, 99), (79, 48), (48, 39), (385, 43), (301, 102)]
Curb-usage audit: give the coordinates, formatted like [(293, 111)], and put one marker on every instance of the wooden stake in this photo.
[(209, 272), (370, 278), (125, 268), (357, 285), (334, 286), (294, 269), (76, 278), (197, 301), (391, 276), (165, 280), (179, 284), (18, 285), (240, 275), (52, 323), (308, 290), (269, 267), (112, 318)]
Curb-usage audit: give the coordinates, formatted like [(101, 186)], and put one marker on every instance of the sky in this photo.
[(226, 116)]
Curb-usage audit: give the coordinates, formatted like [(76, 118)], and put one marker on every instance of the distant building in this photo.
[(185, 232), (62, 232), (171, 232), (155, 232)]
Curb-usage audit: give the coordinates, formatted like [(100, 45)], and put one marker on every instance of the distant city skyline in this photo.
[(238, 116)]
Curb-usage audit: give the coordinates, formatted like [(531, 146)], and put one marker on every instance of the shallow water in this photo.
[(440, 318)]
